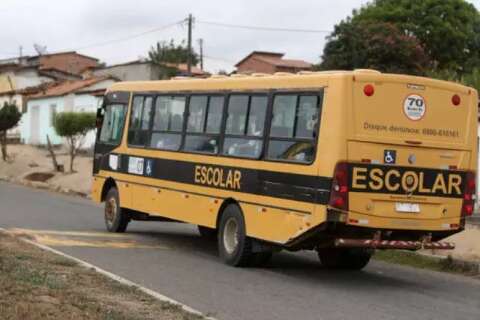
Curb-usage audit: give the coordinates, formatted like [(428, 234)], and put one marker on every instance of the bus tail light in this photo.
[(469, 195), (456, 100), (339, 192), (369, 90)]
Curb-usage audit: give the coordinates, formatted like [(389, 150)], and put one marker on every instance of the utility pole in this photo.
[(21, 51), (189, 61), (200, 43)]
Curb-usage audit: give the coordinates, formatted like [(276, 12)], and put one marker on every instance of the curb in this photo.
[(463, 264), (115, 277), (45, 186)]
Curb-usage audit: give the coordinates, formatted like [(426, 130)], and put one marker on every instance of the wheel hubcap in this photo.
[(110, 210), (230, 235)]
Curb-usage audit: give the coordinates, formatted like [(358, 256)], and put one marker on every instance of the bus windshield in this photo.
[(112, 124)]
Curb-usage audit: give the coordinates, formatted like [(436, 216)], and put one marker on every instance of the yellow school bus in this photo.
[(338, 162)]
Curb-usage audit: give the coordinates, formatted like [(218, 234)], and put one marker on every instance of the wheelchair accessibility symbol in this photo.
[(389, 156), (149, 168)]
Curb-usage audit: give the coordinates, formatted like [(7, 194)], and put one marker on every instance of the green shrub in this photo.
[(73, 127), (9, 118)]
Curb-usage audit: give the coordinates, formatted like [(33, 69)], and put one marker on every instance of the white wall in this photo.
[(28, 78), (131, 72), (44, 121), (87, 103), (81, 102)]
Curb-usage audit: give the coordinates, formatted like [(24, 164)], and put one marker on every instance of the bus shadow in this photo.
[(306, 268), (302, 266)]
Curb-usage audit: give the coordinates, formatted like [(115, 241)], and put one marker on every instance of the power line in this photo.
[(104, 43), (275, 29), (126, 38), (219, 59)]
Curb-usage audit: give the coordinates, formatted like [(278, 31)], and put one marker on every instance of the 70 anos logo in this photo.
[(414, 107)]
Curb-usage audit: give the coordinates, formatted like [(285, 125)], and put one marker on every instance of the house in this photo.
[(141, 70), (71, 95), (28, 75), (270, 62)]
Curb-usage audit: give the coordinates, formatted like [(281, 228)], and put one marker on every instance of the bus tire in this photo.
[(208, 233), (116, 218), (234, 247), (345, 258)]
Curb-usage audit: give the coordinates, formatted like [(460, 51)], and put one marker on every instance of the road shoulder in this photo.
[(41, 283)]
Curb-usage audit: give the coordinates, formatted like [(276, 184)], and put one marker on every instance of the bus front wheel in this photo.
[(344, 258), (116, 218)]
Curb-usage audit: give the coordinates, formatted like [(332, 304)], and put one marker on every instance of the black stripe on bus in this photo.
[(297, 187)]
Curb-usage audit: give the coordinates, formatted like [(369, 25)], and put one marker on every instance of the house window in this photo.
[(294, 127), (245, 125), (204, 123)]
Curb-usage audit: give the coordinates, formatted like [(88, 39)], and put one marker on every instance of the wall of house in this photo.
[(253, 65), (36, 133), (129, 72), (88, 103), (68, 62), (29, 78)]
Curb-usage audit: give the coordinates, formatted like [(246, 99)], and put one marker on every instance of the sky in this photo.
[(117, 31)]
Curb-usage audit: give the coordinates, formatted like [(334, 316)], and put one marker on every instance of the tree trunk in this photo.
[(3, 142), (52, 154), (72, 153)]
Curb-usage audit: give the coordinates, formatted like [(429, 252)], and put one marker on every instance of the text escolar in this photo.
[(218, 177)]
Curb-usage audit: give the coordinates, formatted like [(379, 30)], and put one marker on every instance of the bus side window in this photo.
[(168, 122), (204, 123), (245, 126), (140, 121), (294, 127)]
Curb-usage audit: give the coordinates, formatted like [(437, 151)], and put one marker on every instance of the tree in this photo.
[(448, 30), (164, 53), (73, 127), (380, 46), (9, 118)]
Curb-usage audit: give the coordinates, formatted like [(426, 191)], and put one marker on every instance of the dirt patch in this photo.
[(39, 176), (26, 159), (467, 245), (39, 285)]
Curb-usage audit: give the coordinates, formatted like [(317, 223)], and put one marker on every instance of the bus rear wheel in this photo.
[(116, 218), (234, 247), (208, 233), (345, 258)]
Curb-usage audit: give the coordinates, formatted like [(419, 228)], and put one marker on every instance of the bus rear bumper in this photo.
[(392, 244)]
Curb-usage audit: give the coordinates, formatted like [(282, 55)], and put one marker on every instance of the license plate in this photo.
[(407, 207)]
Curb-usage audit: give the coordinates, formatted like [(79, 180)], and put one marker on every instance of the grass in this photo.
[(39, 285), (416, 260)]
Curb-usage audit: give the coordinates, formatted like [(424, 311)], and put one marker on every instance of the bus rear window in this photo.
[(112, 126)]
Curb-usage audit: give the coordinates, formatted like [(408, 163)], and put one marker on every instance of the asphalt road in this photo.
[(173, 260)]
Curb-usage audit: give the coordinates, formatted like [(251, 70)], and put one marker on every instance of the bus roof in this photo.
[(279, 80)]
